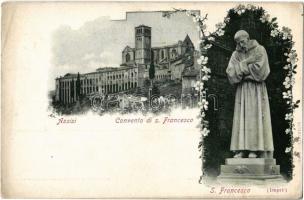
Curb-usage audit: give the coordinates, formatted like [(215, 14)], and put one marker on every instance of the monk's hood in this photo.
[(251, 45)]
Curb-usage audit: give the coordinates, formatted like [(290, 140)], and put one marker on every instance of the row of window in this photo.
[(64, 93), (113, 77), (90, 83), (173, 53), (162, 55), (163, 76), (110, 88), (95, 81), (139, 31)]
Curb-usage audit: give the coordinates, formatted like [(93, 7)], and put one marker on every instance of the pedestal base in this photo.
[(250, 169)]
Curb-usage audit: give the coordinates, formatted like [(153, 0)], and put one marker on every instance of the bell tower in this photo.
[(143, 44)]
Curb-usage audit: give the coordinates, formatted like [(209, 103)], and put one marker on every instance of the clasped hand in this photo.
[(253, 58)]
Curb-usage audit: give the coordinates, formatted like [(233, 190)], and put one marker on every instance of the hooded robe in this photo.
[(251, 120)]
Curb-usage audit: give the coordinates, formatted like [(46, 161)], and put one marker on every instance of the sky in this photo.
[(62, 37), (99, 43), (97, 37)]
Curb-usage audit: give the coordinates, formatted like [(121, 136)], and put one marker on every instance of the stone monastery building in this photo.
[(169, 63)]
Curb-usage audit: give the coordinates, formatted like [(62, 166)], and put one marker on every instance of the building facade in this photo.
[(134, 70), (104, 80), (168, 60)]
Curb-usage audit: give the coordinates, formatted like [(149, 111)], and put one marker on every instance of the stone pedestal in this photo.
[(262, 169)]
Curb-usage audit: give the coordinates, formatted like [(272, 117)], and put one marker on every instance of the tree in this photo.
[(152, 67), (155, 91)]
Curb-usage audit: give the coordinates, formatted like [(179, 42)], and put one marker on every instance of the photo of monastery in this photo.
[(149, 77)]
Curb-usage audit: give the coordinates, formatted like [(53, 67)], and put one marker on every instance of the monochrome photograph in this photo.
[(152, 100), (139, 65)]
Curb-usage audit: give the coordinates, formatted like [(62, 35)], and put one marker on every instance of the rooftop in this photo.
[(143, 26), (190, 72)]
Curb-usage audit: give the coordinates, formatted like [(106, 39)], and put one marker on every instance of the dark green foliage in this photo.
[(188, 59), (217, 143), (152, 71), (147, 83), (155, 91), (78, 107), (152, 67)]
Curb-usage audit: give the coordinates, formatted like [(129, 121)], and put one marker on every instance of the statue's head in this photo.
[(241, 38)]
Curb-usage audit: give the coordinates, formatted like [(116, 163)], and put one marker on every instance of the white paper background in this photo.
[(97, 157)]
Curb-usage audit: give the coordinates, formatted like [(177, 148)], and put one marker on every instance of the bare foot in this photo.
[(252, 155), (239, 155)]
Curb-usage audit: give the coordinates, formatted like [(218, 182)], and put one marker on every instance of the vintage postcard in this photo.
[(151, 100)]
